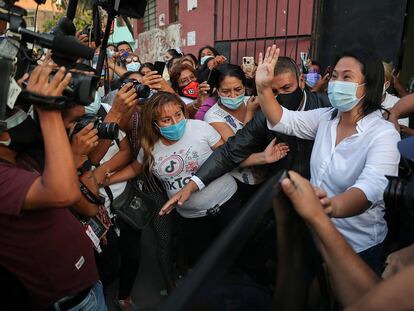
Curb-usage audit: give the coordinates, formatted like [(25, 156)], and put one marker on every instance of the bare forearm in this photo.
[(118, 161), (270, 107), (351, 277), (59, 176), (254, 159), (395, 293), (85, 208), (350, 203), (403, 107), (126, 173)]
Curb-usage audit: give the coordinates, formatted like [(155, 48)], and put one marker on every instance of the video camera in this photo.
[(399, 197), (16, 59)]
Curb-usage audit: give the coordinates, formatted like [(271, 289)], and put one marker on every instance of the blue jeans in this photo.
[(94, 301)]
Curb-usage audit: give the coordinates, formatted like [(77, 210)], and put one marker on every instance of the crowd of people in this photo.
[(181, 145)]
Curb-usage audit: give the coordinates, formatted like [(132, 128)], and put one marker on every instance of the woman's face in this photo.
[(206, 52), (145, 70), (186, 77), (348, 69), (231, 87), (167, 57), (170, 114)]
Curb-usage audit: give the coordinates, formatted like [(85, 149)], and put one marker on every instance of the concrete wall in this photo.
[(199, 22), (152, 44)]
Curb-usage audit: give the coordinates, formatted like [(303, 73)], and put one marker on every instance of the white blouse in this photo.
[(360, 161)]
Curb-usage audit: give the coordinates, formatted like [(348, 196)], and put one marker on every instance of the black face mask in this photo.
[(25, 136), (292, 100)]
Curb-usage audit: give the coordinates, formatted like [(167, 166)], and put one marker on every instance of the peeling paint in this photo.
[(153, 44)]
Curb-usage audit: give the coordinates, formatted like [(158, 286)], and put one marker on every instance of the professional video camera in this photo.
[(16, 59), (399, 197), (105, 130)]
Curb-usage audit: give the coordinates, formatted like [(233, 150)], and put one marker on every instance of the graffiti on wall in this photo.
[(154, 43)]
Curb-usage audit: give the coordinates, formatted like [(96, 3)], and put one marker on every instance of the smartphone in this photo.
[(159, 67), (248, 62), (328, 71)]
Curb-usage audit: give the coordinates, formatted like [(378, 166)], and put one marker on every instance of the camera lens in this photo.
[(108, 130), (143, 91)]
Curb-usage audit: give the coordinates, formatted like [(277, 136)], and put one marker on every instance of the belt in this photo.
[(69, 302)]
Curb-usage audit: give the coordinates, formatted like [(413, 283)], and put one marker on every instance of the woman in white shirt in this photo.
[(354, 146), (231, 112), (173, 148)]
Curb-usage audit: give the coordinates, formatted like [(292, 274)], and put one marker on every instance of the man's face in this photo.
[(284, 83), (124, 48), (71, 115)]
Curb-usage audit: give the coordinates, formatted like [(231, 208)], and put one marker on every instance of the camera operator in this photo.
[(356, 285), (41, 242)]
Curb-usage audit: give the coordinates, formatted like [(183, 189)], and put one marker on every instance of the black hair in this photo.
[(126, 75), (286, 64), (146, 65), (373, 72), (174, 53), (123, 42), (229, 70), (192, 56), (315, 63), (207, 47)]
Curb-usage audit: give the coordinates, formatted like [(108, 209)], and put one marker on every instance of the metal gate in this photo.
[(246, 27)]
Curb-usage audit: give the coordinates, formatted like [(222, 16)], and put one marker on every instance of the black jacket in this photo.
[(254, 137)]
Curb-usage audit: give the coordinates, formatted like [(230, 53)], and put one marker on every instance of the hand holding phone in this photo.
[(159, 67), (248, 64)]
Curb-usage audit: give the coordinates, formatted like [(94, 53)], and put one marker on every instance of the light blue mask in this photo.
[(133, 66), (204, 58), (342, 95), (173, 132), (94, 107), (233, 103), (312, 78)]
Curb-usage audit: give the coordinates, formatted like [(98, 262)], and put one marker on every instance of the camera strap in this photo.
[(45, 102), (89, 195)]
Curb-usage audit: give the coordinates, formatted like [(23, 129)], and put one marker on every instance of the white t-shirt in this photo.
[(359, 161), (250, 176), (389, 102), (187, 100), (117, 188), (175, 164)]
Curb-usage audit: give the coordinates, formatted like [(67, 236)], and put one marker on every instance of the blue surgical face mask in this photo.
[(204, 58), (342, 95), (312, 78), (133, 66), (173, 132), (233, 103), (94, 107)]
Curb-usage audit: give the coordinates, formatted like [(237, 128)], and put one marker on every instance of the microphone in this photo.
[(66, 45), (65, 27)]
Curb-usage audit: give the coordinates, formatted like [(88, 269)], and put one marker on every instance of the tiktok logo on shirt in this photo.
[(171, 166)]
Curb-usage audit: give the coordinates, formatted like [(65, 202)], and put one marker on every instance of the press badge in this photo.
[(94, 238)]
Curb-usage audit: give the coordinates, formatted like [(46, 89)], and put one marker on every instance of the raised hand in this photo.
[(266, 67)]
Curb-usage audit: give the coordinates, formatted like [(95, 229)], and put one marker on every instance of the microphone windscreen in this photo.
[(69, 45)]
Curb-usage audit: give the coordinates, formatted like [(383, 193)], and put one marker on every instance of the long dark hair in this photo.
[(207, 47), (373, 72)]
